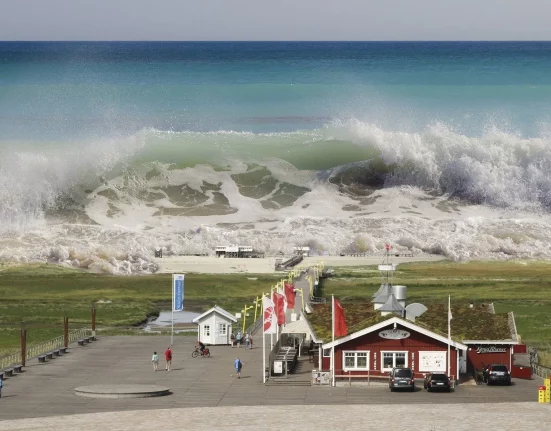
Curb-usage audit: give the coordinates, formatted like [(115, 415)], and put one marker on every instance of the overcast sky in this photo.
[(275, 20)]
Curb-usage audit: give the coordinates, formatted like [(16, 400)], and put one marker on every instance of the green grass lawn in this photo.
[(42, 294)]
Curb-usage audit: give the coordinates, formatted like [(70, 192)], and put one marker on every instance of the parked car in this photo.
[(401, 378), (437, 382), (496, 373)]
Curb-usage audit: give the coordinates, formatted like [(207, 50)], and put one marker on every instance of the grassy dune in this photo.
[(42, 294)]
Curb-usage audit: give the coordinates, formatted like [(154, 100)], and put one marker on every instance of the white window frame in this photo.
[(355, 368), (222, 329), (206, 330), (326, 353), (393, 359)]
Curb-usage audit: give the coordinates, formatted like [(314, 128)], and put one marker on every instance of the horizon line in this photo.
[(277, 41)]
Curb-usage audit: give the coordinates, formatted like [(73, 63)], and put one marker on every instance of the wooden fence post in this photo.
[(23, 343), (66, 332)]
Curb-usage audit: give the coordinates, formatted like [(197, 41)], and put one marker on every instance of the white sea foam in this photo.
[(501, 182)]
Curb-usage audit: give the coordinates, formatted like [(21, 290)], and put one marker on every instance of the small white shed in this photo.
[(215, 326)]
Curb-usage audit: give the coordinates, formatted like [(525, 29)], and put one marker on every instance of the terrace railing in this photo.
[(10, 359), (543, 372), (36, 350)]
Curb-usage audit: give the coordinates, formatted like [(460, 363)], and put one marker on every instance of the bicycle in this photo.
[(197, 352)]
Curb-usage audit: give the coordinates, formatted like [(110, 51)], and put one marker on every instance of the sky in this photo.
[(275, 20)]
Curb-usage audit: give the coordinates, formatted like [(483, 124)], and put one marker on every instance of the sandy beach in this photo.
[(215, 265)]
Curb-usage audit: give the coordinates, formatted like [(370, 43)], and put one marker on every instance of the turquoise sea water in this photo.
[(215, 133)]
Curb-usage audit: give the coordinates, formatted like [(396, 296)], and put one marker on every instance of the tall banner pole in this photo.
[(172, 308), (263, 350), (333, 340), (177, 299), (449, 334)]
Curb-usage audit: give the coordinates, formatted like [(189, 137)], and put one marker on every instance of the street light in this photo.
[(245, 313)]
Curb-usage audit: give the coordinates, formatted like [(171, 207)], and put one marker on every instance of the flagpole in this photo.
[(333, 340), (263, 348), (172, 307), (449, 334)]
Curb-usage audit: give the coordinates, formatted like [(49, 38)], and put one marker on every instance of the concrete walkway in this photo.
[(48, 389), (508, 416)]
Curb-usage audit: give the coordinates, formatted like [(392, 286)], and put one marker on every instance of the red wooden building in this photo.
[(392, 343), (397, 342)]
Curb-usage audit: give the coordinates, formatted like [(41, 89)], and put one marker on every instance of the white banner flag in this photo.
[(269, 316)]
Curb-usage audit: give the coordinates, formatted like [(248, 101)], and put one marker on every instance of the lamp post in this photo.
[(245, 312)]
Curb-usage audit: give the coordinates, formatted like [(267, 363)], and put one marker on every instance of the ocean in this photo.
[(111, 150)]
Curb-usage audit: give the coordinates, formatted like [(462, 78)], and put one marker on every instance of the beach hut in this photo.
[(215, 326)]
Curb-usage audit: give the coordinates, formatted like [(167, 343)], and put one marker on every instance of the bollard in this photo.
[(547, 383), (541, 394)]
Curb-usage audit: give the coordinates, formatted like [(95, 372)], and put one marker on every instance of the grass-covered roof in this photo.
[(467, 323)]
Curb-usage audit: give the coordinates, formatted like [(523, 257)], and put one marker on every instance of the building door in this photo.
[(206, 335), (222, 333)]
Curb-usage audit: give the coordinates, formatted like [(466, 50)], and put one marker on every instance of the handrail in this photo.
[(10, 359), (41, 348)]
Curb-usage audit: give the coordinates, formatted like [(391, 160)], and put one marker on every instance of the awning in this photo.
[(297, 327)]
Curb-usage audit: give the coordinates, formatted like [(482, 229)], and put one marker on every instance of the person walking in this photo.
[(1, 384), (238, 339), (250, 341), (232, 339), (247, 341), (238, 365), (155, 360), (168, 357)]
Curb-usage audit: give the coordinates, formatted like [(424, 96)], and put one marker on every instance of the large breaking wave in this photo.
[(347, 186)]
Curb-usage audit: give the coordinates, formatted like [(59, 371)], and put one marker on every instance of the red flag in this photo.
[(269, 316), (279, 301), (340, 321), (387, 246), (290, 294)]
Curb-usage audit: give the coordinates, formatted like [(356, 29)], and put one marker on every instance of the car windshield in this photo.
[(402, 373), (439, 377), (499, 368)]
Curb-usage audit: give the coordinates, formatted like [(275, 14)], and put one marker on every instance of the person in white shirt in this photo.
[(155, 360)]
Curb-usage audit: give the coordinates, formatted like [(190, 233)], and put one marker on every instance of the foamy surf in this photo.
[(347, 187)]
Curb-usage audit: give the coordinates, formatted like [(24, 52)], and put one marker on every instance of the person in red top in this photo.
[(168, 357)]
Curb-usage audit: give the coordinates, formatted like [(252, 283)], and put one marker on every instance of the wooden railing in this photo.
[(44, 347), (10, 359), (543, 372)]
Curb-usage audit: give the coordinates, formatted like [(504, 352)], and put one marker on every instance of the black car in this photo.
[(437, 382), (496, 373), (401, 378)]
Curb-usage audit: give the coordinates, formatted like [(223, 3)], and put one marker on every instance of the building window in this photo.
[(394, 360), (222, 329), (206, 330), (355, 360), (326, 353)]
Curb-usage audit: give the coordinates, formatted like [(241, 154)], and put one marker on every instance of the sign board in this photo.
[(394, 334), (238, 315), (278, 367), (321, 377), (432, 361), (491, 349)]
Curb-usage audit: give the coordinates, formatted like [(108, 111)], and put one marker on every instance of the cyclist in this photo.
[(199, 345)]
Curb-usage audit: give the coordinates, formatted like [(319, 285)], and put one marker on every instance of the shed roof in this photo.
[(216, 309), (391, 305), (384, 292)]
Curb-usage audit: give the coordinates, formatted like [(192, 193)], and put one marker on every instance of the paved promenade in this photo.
[(435, 417), (48, 389)]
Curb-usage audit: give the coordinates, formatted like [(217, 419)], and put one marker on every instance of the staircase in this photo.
[(301, 375)]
